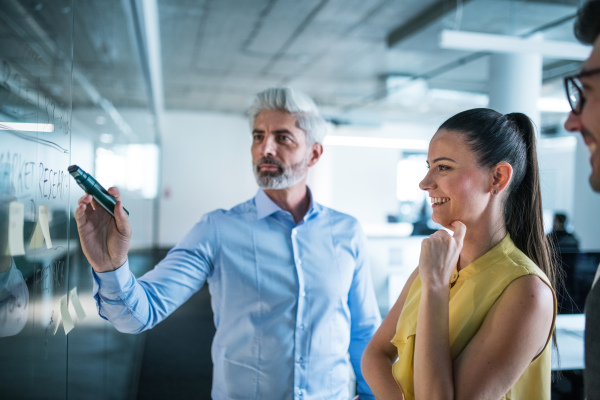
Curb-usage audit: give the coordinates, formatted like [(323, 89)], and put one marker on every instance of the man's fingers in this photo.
[(80, 216), (85, 199), (120, 215), (114, 192), (121, 219), (84, 204)]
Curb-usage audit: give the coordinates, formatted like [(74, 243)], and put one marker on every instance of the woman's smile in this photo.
[(438, 201)]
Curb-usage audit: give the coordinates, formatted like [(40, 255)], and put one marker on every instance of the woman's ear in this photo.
[(501, 175)]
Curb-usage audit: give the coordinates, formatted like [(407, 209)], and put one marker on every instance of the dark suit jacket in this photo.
[(592, 344)]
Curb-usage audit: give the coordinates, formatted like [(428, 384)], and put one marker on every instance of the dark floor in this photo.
[(567, 385), (177, 362)]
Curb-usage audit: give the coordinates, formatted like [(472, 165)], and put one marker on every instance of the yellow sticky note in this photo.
[(16, 213), (66, 317), (44, 223), (74, 299), (37, 238)]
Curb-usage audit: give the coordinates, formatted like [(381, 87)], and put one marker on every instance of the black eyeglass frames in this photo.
[(574, 90)]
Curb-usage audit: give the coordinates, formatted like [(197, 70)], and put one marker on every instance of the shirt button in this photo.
[(301, 360), (301, 326), (294, 233), (299, 392), (299, 262), (303, 294)]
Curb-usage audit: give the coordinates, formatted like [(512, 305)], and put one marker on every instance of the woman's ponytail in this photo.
[(523, 210)]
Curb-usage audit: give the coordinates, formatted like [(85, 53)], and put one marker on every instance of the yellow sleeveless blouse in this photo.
[(474, 291)]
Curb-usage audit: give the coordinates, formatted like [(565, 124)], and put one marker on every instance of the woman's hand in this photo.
[(439, 255), (432, 361)]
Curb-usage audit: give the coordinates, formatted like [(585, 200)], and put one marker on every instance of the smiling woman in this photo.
[(454, 181), (481, 302)]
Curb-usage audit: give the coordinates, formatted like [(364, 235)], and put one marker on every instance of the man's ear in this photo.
[(501, 176), (315, 153)]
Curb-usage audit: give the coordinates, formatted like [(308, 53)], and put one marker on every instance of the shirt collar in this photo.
[(265, 206), (495, 254)]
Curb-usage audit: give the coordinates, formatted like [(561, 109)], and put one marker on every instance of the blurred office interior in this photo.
[(150, 96)]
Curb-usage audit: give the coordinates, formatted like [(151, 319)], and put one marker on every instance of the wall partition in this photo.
[(53, 113)]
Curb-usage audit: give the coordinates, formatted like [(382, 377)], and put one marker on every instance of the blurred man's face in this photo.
[(587, 122)]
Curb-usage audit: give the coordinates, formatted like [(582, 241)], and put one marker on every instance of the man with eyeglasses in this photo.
[(583, 92)]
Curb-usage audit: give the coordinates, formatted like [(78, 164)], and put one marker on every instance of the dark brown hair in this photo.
[(587, 25), (494, 138)]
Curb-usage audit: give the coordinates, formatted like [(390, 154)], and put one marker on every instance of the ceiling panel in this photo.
[(216, 54)]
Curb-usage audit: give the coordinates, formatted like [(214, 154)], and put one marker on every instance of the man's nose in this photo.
[(573, 123), (269, 147)]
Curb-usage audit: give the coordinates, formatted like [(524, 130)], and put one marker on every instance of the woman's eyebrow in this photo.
[(442, 159)]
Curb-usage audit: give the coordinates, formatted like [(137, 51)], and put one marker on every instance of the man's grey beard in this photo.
[(284, 178)]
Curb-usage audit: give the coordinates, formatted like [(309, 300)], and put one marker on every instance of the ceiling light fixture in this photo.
[(106, 138), (553, 104), (26, 127), (405, 90), (385, 143), (475, 41)]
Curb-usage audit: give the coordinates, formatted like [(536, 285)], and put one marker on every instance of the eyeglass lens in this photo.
[(574, 94)]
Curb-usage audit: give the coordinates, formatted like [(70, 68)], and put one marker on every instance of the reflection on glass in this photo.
[(14, 295), (14, 298)]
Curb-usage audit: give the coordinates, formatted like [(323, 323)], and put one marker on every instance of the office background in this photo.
[(151, 96)]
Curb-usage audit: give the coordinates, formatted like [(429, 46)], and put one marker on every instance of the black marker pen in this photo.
[(91, 186)]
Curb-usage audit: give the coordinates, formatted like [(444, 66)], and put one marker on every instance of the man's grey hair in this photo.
[(296, 103), (587, 25)]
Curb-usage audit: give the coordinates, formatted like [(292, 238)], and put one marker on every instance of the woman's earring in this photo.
[(494, 191)]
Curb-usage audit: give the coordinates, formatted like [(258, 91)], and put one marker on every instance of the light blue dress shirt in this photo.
[(290, 300)]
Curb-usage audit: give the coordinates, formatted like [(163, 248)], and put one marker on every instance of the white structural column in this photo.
[(515, 84), (586, 204)]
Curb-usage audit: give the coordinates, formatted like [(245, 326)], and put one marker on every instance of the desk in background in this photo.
[(569, 336)]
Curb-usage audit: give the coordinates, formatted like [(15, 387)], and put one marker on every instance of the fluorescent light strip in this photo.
[(26, 127), (549, 104), (385, 143), (476, 41)]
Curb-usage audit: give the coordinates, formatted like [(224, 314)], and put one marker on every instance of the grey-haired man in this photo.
[(289, 279)]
